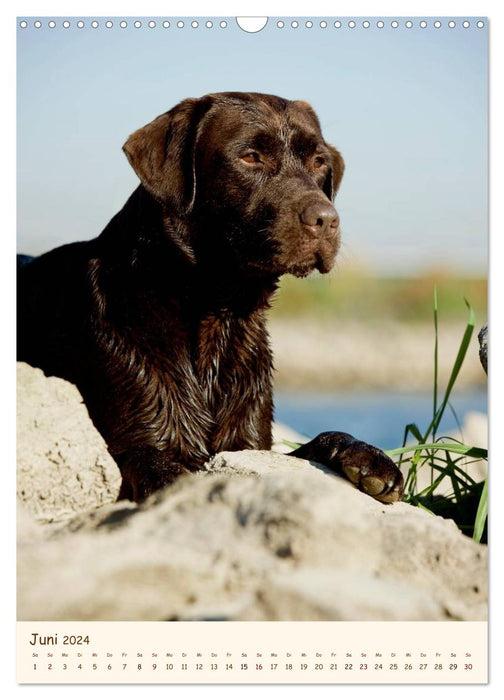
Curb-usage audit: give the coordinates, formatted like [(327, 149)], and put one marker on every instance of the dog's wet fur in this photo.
[(160, 320)]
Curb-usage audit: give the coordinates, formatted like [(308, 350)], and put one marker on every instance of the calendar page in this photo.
[(252, 349)]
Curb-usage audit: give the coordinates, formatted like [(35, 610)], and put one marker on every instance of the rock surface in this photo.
[(256, 536), (63, 466)]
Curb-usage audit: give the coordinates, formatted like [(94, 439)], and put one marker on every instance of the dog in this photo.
[(160, 320)]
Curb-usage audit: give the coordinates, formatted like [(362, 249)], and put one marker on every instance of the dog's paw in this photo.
[(367, 467)]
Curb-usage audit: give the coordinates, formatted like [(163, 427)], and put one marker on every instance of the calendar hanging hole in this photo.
[(252, 24)]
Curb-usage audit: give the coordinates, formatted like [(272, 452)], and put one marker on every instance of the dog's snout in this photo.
[(320, 217)]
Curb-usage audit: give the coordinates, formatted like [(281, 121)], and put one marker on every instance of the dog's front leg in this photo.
[(145, 471)]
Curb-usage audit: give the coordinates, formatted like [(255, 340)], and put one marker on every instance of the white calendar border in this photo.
[(314, 8)]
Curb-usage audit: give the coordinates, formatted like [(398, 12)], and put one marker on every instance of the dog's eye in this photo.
[(319, 162), (251, 157)]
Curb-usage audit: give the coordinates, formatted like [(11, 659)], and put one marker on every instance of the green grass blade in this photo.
[(447, 458), (455, 481), (436, 338), (462, 476), (410, 484), (466, 339), (414, 430), (481, 513), (429, 490), (293, 445), (457, 448)]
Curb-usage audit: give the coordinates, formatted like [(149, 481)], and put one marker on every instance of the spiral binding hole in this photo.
[(279, 24)]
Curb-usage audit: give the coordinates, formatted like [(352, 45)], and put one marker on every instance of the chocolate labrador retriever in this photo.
[(160, 321)]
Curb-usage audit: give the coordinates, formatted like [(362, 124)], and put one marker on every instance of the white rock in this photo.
[(63, 466), (256, 535)]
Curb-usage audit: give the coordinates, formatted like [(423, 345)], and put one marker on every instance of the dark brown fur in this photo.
[(160, 321)]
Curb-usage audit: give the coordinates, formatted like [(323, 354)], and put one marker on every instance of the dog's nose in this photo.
[(320, 217)]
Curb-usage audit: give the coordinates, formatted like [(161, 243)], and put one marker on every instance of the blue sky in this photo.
[(407, 107)]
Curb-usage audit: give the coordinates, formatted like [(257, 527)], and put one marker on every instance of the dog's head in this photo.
[(248, 173)]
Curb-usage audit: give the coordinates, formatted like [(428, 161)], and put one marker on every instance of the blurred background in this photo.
[(406, 106)]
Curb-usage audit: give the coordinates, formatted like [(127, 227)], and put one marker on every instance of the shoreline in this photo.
[(326, 355)]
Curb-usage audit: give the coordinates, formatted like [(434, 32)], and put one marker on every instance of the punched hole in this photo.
[(251, 24)]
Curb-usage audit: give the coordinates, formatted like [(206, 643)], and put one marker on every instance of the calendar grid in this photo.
[(252, 652)]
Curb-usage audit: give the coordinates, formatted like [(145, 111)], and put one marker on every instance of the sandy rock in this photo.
[(254, 536), (63, 466), (288, 544), (328, 594)]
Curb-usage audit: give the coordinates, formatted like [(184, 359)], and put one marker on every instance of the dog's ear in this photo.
[(162, 154), (335, 174)]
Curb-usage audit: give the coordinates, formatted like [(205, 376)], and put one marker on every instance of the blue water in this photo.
[(379, 417)]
